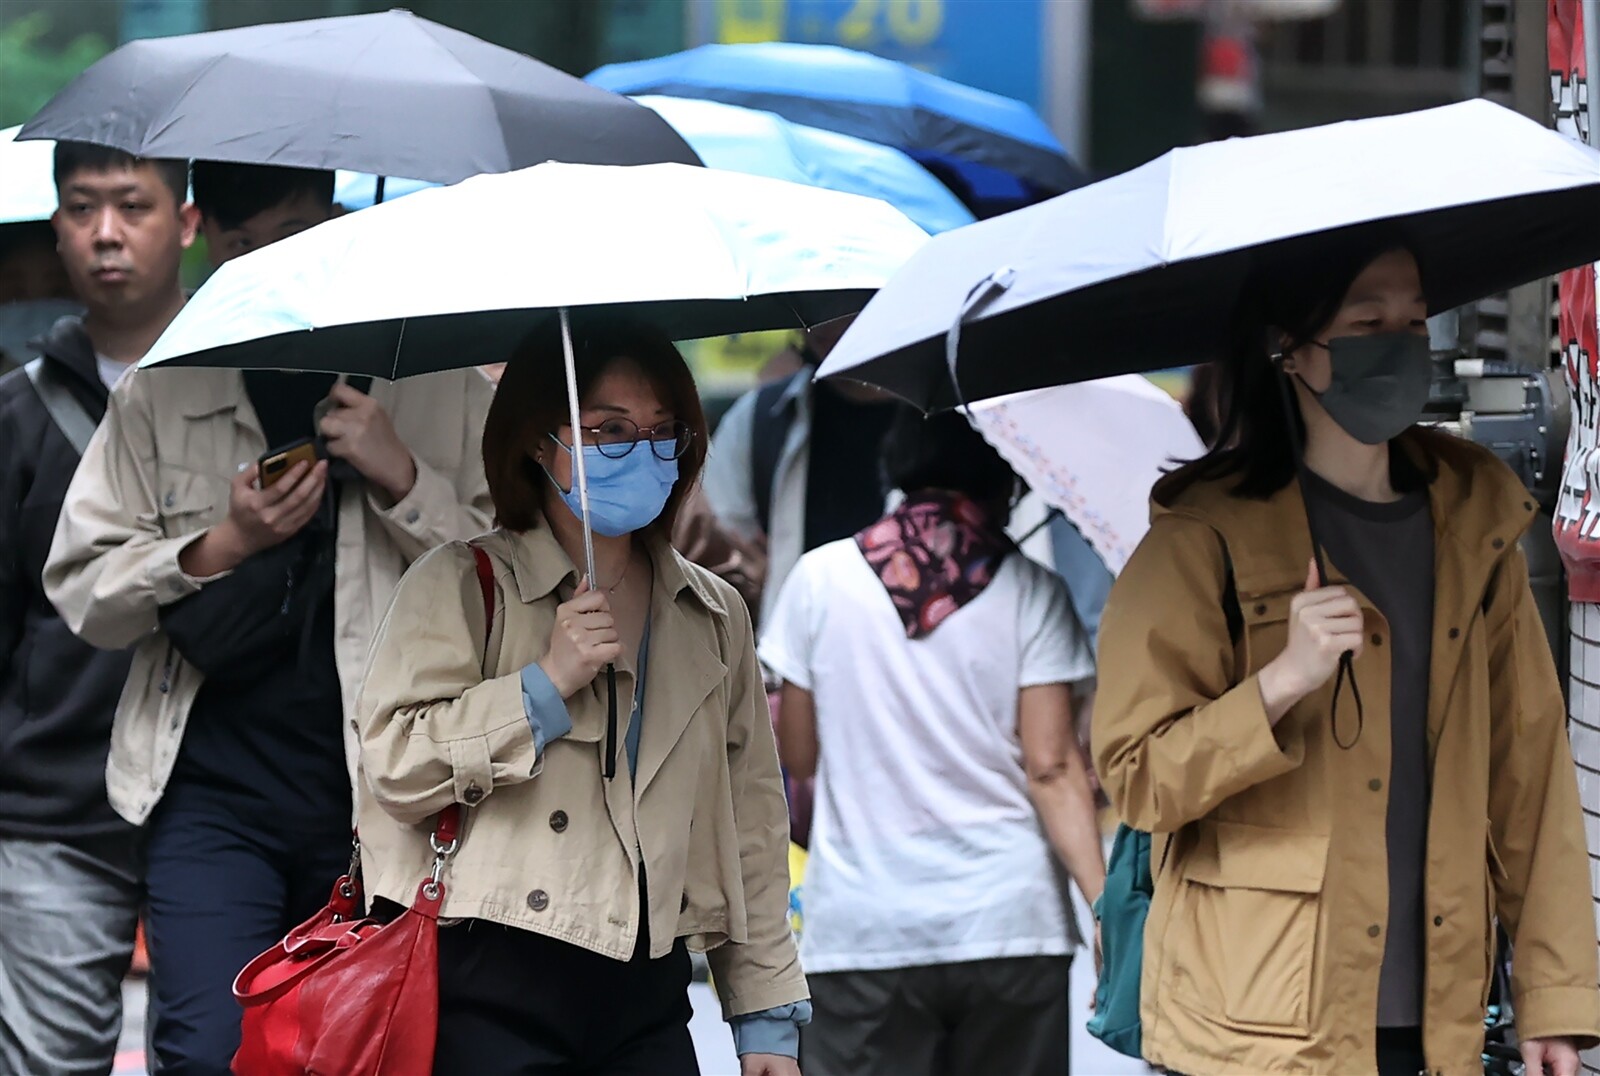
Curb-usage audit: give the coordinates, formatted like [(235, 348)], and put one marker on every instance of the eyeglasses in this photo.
[(616, 437)]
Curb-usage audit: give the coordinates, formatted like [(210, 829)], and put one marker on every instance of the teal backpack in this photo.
[(1121, 910), (1125, 903)]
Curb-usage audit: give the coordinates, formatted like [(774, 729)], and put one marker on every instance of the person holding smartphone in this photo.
[(251, 592)]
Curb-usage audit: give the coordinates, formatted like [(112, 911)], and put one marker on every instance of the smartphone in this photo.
[(280, 461)]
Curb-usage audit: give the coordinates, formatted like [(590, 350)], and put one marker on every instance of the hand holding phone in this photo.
[(258, 518)]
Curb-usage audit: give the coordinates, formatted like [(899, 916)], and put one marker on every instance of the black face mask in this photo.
[(1380, 384)]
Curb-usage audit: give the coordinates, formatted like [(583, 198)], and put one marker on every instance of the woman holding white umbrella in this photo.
[(583, 880), (1347, 735)]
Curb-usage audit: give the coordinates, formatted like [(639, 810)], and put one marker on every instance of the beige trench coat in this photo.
[(1265, 937), (550, 846), (157, 474)]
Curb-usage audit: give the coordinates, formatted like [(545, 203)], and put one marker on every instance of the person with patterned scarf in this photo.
[(930, 674)]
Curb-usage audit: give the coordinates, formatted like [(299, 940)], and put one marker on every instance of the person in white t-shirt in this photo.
[(929, 675)]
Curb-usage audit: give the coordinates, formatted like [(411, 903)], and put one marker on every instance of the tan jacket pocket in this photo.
[(1244, 939), (190, 502)]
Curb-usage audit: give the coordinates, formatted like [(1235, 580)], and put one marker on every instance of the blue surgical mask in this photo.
[(625, 495)]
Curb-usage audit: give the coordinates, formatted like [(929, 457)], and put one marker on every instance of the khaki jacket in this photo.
[(549, 845), (1265, 937), (158, 473)]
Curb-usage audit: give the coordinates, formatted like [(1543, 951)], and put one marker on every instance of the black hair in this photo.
[(1292, 294), (74, 157), (230, 194), (942, 451)]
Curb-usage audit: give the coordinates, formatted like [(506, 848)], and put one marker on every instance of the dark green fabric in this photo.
[(1121, 912)]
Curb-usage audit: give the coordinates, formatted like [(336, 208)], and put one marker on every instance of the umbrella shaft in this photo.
[(580, 473)]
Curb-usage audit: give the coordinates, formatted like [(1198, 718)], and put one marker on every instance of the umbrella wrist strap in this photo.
[(1347, 670)]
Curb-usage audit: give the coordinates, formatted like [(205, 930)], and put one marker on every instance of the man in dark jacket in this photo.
[(70, 879)]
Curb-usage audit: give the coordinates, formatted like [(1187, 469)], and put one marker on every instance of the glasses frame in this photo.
[(682, 437)]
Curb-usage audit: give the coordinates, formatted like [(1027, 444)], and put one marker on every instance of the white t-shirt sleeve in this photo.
[(1055, 647), (787, 637)]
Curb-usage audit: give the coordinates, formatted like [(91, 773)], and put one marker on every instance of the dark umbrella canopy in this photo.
[(386, 93), (1144, 271)]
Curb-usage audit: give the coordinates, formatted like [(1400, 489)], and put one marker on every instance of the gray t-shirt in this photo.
[(1386, 551)]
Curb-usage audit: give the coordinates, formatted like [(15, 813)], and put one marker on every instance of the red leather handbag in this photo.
[(348, 996)]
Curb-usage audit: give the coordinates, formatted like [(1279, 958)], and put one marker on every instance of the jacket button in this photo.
[(1527, 506), (1499, 543), (538, 900), (472, 796), (171, 499), (1261, 609), (1375, 784), (1377, 640), (1438, 920), (558, 821), (413, 515), (1374, 930), (1455, 633)]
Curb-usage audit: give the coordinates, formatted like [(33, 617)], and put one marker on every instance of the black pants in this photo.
[(998, 1016), (515, 1003), (1400, 1051), (222, 889)]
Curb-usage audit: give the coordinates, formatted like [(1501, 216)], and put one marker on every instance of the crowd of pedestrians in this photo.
[(243, 611)]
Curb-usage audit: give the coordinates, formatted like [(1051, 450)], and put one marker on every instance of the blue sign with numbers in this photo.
[(995, 45)]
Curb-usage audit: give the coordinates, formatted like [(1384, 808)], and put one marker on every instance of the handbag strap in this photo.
[(446, 835), (486, 584)]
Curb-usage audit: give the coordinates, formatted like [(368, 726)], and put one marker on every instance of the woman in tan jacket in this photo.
[(592, 859), (1335, 836)]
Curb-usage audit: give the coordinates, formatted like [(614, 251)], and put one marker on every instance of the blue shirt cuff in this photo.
[(771, 1031), (544, 706)]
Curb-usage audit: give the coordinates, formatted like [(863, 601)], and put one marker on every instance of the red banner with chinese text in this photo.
[(1578, 514)]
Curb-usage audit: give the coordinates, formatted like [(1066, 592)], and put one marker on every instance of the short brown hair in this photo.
[(532, 399)]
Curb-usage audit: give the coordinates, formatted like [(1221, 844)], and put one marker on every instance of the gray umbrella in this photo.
[(386, 93)]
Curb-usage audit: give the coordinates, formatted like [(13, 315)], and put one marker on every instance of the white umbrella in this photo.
[(1142, 271), (456, 276), (1094, 450), (396, 289), (27, 183)]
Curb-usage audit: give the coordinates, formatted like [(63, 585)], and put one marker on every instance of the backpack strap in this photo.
[(1230, 596), (770, 425), (65, 409), (1235, 616)]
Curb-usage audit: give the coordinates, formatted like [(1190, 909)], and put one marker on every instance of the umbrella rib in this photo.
[(399, 341)]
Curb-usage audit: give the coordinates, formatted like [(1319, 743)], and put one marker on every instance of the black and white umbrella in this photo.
[(1143, 271)]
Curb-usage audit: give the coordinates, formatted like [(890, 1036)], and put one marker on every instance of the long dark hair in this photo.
[(1292, 294)]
